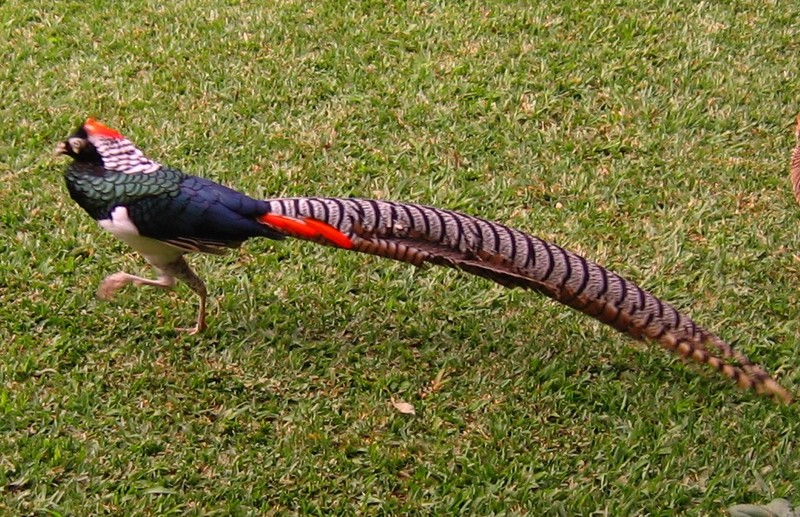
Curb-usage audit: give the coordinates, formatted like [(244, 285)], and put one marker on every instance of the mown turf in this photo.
[(652, 137)]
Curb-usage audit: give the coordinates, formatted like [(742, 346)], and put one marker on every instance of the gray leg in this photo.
[(181, 270), (166, 280)]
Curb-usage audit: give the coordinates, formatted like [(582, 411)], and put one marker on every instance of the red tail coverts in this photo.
[(308, 228)]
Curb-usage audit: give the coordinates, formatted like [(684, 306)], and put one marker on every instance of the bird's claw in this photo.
[(111, 284), (192, 331), (201, 323)]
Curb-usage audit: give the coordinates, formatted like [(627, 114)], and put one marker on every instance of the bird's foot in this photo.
[(197, 329), (191, 331), (201, 321), (111, 284)]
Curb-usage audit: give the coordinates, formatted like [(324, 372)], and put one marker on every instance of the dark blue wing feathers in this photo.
[(203, 211)]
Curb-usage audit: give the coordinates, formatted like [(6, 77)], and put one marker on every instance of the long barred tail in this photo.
[(795, 165), (419, 234)]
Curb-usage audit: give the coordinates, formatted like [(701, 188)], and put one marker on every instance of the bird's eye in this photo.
[(76, 144)]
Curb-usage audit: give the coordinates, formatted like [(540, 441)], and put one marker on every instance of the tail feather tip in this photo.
[(771, 387)]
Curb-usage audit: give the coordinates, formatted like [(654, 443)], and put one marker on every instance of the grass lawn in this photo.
[(652, 137)]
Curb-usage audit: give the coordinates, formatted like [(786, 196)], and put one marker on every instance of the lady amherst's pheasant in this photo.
[(164, 213)]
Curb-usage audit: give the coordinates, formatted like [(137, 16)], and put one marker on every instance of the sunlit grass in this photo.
[(653, 139)]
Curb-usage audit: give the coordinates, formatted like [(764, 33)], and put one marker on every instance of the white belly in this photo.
[(156, 252)]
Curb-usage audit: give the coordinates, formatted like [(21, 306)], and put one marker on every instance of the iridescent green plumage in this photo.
[(98, 192)]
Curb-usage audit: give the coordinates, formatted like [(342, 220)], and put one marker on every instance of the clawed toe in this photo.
[(110, 285), (192, 331)]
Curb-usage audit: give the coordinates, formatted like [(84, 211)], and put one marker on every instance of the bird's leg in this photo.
[(181, 270), (166, 280), (113, 283)]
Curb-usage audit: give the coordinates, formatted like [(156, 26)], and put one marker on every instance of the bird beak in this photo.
[(61, 148)]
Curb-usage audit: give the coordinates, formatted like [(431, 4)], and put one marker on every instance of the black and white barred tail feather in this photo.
[(420, 234)]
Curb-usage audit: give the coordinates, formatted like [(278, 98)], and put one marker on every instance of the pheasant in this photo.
[(164, 213)]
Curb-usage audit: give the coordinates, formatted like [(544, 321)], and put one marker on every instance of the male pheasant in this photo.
[(164, 213)]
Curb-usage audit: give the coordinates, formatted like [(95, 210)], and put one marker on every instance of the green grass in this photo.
[(651, 137)]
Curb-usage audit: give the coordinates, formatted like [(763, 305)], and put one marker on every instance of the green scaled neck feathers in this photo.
[(98, 191)]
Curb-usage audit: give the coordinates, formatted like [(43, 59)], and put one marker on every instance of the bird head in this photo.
[(79, 148), (94, 143)]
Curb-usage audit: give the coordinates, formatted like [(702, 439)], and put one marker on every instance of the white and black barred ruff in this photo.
[(120, 155)]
